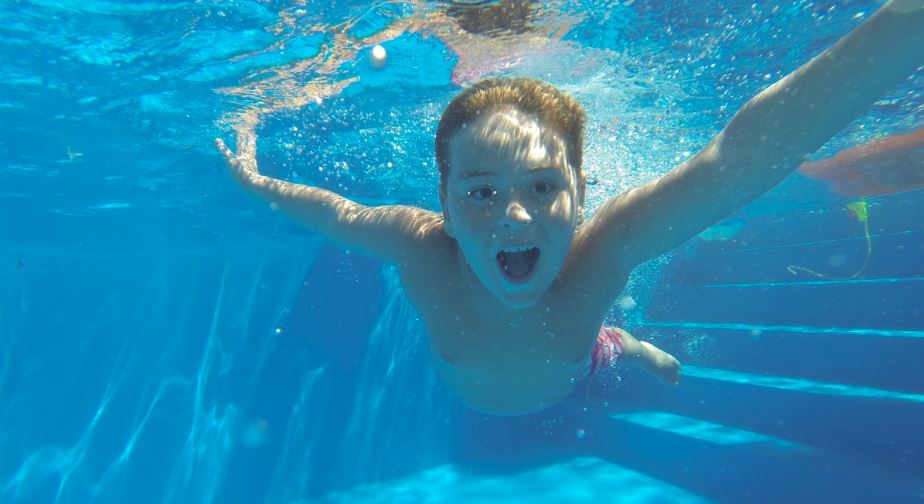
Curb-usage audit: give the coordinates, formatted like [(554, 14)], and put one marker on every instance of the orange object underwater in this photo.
[(890, 165)]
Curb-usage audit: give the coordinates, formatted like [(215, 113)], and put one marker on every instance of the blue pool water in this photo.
[(164, 338)]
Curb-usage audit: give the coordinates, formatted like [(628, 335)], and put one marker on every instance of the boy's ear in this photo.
[(447, 222)]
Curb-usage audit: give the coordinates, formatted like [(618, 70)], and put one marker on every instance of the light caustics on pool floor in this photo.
[(556, 483), (580, 479), (597, 477)]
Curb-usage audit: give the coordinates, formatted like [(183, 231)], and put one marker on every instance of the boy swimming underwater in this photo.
[(511, 285)]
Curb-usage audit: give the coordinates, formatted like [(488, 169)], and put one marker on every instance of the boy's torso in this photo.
[(501, 360)]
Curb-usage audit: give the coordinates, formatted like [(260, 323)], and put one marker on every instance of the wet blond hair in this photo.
[(551, 106)]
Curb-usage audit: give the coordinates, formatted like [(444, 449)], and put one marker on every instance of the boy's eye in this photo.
[(482, 193), (543, 187)]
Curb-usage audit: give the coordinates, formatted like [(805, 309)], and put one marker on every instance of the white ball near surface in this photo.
[(379, 55)]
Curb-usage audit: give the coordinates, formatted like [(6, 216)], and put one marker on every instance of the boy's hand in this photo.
[(243, 165)]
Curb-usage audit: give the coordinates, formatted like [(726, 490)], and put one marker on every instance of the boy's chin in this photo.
[(519, 300), (520, 305)]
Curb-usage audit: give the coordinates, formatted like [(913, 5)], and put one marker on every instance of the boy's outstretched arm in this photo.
[(394, 234), (765, 141)]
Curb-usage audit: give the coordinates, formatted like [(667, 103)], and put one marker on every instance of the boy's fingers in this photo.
[(225, 151)]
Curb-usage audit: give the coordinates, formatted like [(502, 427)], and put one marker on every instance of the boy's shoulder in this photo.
[(424, 225), (429, 244)]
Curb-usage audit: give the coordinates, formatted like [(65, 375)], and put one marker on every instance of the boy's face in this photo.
[(511, 203)]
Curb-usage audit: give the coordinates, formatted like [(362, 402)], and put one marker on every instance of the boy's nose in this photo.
[(516, 216)]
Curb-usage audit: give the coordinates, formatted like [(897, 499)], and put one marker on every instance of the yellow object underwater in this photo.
[(860, 211)]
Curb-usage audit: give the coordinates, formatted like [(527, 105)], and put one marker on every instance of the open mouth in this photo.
[(518, 263)]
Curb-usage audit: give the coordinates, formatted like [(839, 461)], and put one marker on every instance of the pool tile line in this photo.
[(835, 240), (818, 282), (799, 384), (759, 328), (704, 430)]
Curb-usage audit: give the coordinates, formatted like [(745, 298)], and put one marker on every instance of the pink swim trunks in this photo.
[(606, 352)]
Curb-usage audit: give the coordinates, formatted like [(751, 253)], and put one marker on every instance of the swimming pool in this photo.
[(165, 338)]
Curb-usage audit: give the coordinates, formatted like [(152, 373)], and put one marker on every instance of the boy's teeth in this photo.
[(520, 248)]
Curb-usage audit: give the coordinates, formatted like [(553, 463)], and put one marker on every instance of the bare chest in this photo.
[(502, 360)]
